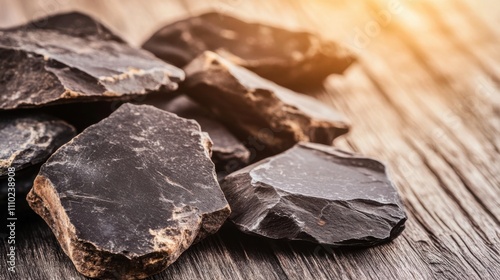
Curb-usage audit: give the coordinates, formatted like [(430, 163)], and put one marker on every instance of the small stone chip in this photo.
[(260, 110), (316, 193), (228, 153), (29, 139), (71, 57), (286, 57), (129, 194)]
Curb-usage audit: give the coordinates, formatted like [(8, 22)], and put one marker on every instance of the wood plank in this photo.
[(424, 97)]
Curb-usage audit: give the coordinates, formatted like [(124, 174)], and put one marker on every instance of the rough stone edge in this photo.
[(43, 194), (71, 132), (95, 262), (240, 178), (307, 125)]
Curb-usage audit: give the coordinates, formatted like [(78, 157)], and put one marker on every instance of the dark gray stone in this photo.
[(71, 57), (27, 139), (316, 193), (270, 116), (129, 194), (228, 153), (283, 56)]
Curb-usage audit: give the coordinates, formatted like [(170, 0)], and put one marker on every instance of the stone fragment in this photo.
[(316, 193), (29, 139), (259, 110), (129, 194), (283, 56), (228, 153), (71, 57)]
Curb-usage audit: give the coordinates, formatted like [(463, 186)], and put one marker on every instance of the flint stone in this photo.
[(27, 139), (129, 194), (283, 56), (259, 110), (316, 193), (72, 57), (228, 153)]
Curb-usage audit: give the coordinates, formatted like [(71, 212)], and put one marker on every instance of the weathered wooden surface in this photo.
[(425, 98)]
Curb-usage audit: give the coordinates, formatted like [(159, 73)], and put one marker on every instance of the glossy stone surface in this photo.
[(228, 153), (316, 193), (270, 116), (284, 56), (129, 194), (29, 139), (71, 57)]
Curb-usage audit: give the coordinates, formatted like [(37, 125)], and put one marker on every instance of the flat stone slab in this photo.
[(72, 57), (129, 194), (283, 56), (29, 139), (270, 116), (316, 193), (228, 153)]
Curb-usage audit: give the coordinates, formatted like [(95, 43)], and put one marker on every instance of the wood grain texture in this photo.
[(424, 98)]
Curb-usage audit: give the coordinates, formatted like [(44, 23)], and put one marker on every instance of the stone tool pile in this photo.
[(207, 131)]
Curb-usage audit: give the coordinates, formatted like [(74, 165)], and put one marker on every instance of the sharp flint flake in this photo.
[(129, 194), (71, 57), (259, 110), (316, 193)]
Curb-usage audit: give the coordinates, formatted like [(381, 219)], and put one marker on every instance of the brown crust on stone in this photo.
[(87, 259), (146, 244)]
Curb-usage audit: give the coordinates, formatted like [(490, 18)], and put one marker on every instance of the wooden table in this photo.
[(424, 98)]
